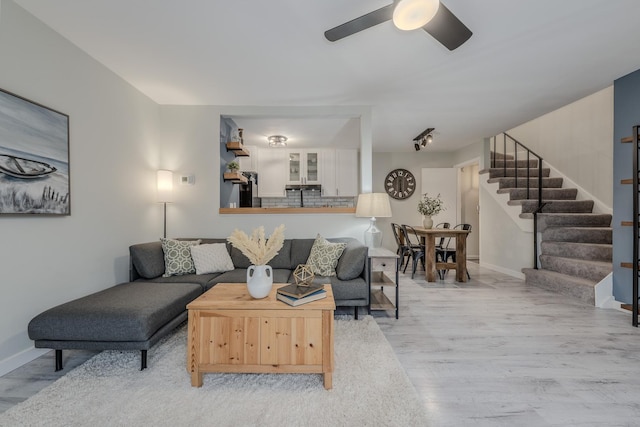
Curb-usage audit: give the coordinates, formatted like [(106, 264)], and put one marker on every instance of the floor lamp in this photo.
[(165, 192), (373, 205)]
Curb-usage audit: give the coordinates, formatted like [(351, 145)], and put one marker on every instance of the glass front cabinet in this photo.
[(304, 167)]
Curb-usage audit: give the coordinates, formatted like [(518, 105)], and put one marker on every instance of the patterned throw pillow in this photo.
[(211, 258), (324, 256), (177, 257)]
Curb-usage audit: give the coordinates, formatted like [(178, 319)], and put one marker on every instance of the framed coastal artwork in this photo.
[(34, 158)]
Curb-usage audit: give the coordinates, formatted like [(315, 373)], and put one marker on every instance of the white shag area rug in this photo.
[(370, 388)]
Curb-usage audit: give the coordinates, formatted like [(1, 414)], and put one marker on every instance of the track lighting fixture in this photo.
[(424, 139)]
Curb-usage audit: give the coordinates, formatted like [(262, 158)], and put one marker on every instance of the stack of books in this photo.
[(297, 295)]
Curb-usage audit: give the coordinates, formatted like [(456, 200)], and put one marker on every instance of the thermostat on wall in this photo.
[(187, 179)]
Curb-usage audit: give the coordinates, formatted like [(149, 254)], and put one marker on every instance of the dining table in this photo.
[(428, 239)]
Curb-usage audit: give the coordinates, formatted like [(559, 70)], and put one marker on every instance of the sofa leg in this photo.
[(58, 360), (355, 312), (143, 359)]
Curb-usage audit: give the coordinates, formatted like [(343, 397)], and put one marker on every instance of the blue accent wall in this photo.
[(626, 110), (228, 191)]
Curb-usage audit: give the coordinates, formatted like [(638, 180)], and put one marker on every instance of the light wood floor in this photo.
[(490, 352)]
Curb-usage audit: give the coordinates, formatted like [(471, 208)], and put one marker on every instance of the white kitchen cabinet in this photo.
[(346, 172), (249, 163), (272, 172), (304, 167), (329, 186)]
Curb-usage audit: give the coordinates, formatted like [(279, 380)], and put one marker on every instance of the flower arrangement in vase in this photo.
[(259, 250), (428, 207)]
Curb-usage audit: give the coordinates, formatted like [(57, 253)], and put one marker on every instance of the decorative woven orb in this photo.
[(303, 275)]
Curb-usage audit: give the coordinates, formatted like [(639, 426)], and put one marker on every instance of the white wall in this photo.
[(577, 139), (113, 158), (404, 211), (503, 245)]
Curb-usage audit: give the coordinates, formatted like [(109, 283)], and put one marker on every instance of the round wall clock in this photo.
[(400, 184)]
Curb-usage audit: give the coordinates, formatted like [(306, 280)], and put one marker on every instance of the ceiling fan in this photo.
[(407, 15)]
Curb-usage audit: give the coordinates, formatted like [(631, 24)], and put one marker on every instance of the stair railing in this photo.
[(636, 222), (517, 145)]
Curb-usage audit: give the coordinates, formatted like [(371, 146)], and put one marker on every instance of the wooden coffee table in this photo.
[(229, 331)]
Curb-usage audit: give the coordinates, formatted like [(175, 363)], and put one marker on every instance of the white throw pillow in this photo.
[(324, 256), (211, 258)]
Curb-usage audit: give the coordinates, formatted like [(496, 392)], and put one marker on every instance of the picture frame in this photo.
[(34, 158)]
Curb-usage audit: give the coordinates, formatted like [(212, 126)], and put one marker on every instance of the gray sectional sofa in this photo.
[(137, 314)]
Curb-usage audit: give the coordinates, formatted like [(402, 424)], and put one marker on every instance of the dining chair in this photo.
[(440, 246), (445, 253), (416, 248), (442, 239), (403, 246)]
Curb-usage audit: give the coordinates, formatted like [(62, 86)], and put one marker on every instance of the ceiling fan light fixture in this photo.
[(277, 141), (412, 14)]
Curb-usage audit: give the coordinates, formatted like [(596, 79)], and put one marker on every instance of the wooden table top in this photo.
[(234, 296), (439, 231)]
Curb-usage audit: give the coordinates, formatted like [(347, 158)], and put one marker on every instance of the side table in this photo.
[(383, 272)]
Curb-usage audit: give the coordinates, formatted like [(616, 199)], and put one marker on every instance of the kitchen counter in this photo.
[(266, 211)]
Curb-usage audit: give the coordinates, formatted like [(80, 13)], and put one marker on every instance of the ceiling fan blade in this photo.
[(447, 29), (362, 23)]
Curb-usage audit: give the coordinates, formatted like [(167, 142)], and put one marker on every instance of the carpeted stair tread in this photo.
[(510, 182), (585, 251), (497, 155), (522, 163), (602, 235), (592, 270), (547, 193), (522, 172), (576, 287), (555, 205), (571, 220)]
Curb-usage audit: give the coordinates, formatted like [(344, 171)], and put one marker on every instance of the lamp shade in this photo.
[(413, 14), (165, 186), (373, 205)]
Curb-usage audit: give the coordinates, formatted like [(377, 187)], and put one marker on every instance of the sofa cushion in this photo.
[(352, 260), (281, 260), (239, 275), (177, 256), (125, 312), (211, 258), (300, 250), (324, 256), (204, 280), (347, 292), (147, 259)]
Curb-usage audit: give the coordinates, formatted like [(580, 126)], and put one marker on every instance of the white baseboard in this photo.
[(13, 362), (512, 273)]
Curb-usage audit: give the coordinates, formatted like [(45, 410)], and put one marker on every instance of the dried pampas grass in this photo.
[(258, 249)]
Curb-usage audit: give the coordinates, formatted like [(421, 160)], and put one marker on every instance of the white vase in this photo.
[(427, 221), (259, 280)]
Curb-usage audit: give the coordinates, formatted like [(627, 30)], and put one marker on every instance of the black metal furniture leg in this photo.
[(355, 312), (143, 359), (58, 360)]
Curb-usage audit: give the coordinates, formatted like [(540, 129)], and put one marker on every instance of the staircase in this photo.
[(576, 244)]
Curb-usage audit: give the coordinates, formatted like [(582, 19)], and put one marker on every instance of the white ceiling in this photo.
[(525, 58)]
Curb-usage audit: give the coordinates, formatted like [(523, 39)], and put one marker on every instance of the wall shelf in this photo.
[(238, 149), (235, 177)]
